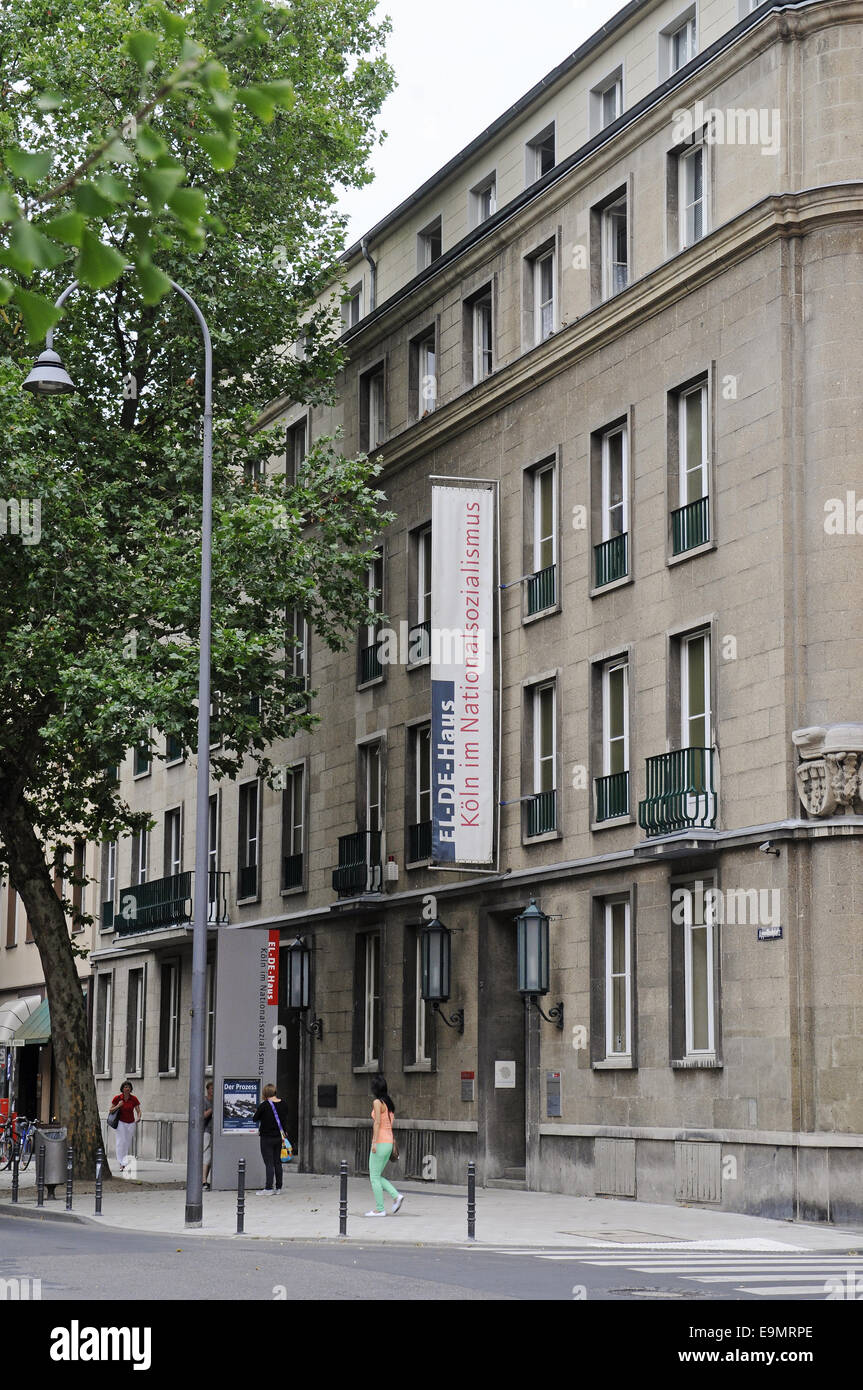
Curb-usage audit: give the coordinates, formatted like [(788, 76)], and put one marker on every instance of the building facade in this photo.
[(633, 309)]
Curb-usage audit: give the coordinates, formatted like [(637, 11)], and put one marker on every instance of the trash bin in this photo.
[(54, 1140)]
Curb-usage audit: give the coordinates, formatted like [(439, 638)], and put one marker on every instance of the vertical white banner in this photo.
[(462, 682)]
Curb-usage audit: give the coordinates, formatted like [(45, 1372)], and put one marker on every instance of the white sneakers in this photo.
[(398, 1201), (265, 1192), (375, 1213)]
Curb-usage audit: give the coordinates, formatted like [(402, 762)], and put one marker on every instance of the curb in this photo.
[(32, 1213)]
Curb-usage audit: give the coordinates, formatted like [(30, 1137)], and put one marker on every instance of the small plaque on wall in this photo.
[(328, 1097), (552, 1094), (504, 1076), (468, 1085)]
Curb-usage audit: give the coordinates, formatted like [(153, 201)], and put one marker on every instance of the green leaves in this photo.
[(32, 167), (37, 312), (264, 98), (98, 265), (154, 283), (29, 250), (160, 182), (221, 150), (68, 228), (143, 47)]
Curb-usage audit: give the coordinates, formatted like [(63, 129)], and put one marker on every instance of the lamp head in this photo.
[(49, 377)]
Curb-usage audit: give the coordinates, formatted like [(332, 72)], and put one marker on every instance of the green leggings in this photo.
[(377, 1163)]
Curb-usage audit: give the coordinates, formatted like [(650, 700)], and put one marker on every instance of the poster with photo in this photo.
[(240, 1099)]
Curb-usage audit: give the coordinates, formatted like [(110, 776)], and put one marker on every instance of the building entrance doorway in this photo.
[(501, 1051)]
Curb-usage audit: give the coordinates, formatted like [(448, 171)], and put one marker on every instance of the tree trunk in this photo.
[(77, 1107)]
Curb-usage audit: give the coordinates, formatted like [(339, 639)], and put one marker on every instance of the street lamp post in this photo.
[(47, 378)]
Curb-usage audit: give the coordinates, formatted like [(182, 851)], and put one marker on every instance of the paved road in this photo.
[(87, 1263)]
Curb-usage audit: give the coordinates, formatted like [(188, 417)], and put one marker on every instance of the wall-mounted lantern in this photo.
[(436, 962), (299, 970), (533, 960)]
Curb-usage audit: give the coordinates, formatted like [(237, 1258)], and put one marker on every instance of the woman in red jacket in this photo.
[(129, 1107)]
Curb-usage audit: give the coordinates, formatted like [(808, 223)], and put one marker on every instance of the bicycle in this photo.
[(9, 1138), (26, 1140)]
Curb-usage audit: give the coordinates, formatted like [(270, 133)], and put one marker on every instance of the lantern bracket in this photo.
[(455, 1020), (315, 1028), (554, 1015)]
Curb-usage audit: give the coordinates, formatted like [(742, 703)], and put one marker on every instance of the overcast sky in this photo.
[(459, 64)]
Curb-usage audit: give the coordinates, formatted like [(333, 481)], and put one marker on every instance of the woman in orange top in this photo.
[(382, 1147)]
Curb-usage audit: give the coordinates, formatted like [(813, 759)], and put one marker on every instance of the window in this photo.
[(612, 788), (248, 886), (689, 423), (429, 244), (352, 308), (541, 809), (540, 154), (370, 667), (693, 903), (173, 842), (606, 101), (141, 759), (483, 200), (696, 724), (78, 862), (618, 980), (295, 449), (213, 838), (423, 369), (102, 1024), (543, 296), (210, 1051), (419, 637), (11, 916), (292, 827), (109, 883), (140, 855), (481, 336), (421, 1053), (297, 653), (372, 404), (173, 749), (420, 813), (691, 195), (682, 44), (135, 1023), (169, 1017), (615, 484), (371, 769), (542, 585), (615, 248), (367, 1001)]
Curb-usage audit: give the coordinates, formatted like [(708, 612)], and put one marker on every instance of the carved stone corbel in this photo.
[(830, 772)]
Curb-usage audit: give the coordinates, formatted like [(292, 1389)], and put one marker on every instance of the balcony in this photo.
[(292, 871), (542, 590), (681, 792), (359, 868), (611, 560), (369, 665), (690, 526), (167, 902), (540, 814), (419, 841), (612, 796), (247, 881)]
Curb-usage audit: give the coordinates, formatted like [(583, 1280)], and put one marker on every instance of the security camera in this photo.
[(768, 847)]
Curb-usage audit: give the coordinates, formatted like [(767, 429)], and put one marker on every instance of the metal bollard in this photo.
[(471, 1201), (343, 1197), (100, 1159), (40, 1176), (16, 1159), (241, 1196), (69, 1164)]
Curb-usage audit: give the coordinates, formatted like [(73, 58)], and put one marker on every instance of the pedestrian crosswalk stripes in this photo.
[(788, 1272)]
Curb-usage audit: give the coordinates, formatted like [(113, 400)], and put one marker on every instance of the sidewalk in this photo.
[(432, 1214)]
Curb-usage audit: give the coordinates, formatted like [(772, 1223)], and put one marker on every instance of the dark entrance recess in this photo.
[(501, 1039), (287, 1059)]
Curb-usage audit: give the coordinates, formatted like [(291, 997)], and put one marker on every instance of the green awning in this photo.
[(37, 1028)]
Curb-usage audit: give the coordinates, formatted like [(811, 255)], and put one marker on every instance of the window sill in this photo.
[(543, 613), (246, 902), (418, 863), (704, 1062), (139, 776), (418, 665), (418, 1067), (690, 554), (367, 1069), (292, 892), (598, 590), (167, 1075), (175, 762), (542, 839), (367, 685), (612, 823), (615, 1064)]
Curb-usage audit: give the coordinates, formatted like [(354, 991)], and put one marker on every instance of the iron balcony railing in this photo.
[(247, 881), (292, 871), (369, 666), (167, 902), (690, 526), (612, 796), (419, 841), (681, 792), (541, 813), (611, 559), (359, 868), (542, 590)]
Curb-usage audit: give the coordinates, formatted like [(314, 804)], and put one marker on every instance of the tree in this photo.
[(99, 626)]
